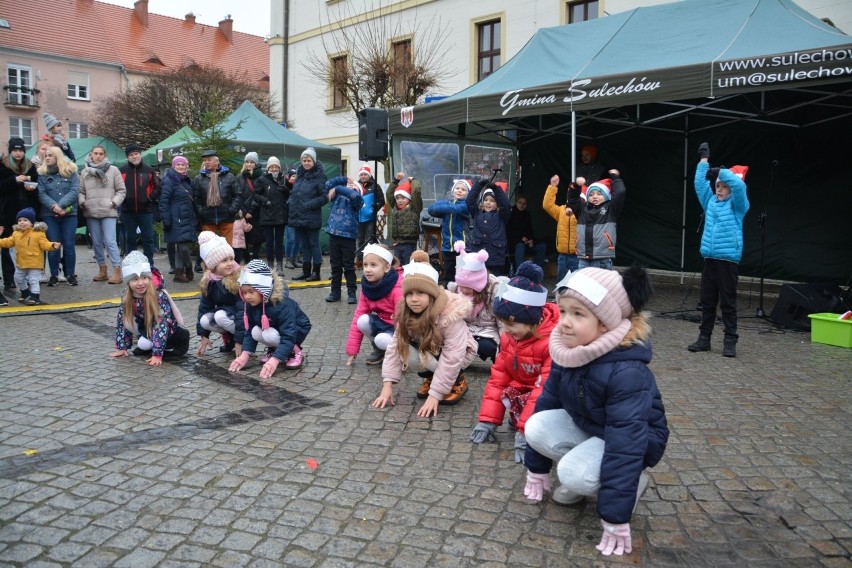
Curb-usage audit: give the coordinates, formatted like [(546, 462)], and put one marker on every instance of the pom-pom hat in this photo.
[(604, 187), (420, 276), (522, 299), (470, 268), (213, 249), (26, 213), (50, 121), (135, 264)]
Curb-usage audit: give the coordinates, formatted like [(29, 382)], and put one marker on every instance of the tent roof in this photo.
[(697, 50), (258, 128), (186, 133)]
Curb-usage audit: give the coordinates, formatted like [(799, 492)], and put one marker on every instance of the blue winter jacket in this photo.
[(723, 218), (489, 227), (217, 297), (176, 210), (615, 397), (308, 197), (53, 189), (287, 317), (343, 218), (455, 224)]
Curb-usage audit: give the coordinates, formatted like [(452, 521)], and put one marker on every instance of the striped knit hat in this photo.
[(258, 275)]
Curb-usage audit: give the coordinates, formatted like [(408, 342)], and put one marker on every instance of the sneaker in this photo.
[(24, 295), (296, 359), (72, 280), (61, 277), (3, 300), (171, 270), (376, 357), (268, 355), (52, 281), (33, 300), (457, 392), (566, 497)]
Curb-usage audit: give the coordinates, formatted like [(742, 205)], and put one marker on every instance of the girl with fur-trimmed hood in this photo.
[(271, 318), (432, 335), (221, 306), (600, 415)]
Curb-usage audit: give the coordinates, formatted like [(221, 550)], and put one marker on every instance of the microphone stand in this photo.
[(761, 223)]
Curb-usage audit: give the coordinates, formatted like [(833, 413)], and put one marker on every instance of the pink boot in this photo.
[(267, 356), (295, 361)]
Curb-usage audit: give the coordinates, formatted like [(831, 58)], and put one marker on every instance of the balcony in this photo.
[(18, 96)]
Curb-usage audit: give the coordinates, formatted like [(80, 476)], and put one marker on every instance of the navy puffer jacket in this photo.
[(176, 210), (308, 197), (615, 398)]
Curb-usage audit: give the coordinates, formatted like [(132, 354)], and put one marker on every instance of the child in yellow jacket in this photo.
[(566, 227), (30, 242)]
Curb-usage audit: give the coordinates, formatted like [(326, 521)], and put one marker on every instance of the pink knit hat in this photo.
[(470, 268), (600, 290)]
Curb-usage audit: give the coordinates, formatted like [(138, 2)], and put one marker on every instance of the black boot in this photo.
[(333, 296), (198, 265), (730, 347), (702, 344), (352, 295), (306, 272), (315, 274), (227, 343), (33, 300)]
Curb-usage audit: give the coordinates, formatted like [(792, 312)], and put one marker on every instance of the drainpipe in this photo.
[(286, 61)]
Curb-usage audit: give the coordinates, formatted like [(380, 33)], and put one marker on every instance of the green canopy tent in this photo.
[(763, 81), (159, 154), (82, 146)]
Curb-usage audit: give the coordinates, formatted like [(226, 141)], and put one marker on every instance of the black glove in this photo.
[(704, 151)]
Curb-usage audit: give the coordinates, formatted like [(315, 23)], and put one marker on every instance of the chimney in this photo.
[(140, 8), (190, 17), (226, 26)]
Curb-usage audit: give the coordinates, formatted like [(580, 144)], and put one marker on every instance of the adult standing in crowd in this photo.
[(589, 167), (216, 196), (178, 215), (520, 235), (271, 196), (305, 212), (292, 244), (102, 192), (140, 179), (247, 183), (58, 192), (18, 177)]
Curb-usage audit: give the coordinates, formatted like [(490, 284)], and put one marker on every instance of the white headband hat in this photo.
[(381, 252), (421, 268)]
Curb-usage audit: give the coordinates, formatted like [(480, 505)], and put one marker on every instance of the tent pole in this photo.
[(573, 146), (683, 212)]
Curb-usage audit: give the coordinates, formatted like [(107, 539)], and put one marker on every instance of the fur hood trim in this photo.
[(458, 308), (40, 226), (231, 282), (640, 330)]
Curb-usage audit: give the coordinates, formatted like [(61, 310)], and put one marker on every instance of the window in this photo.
[(339, 80), (19, 85), (78, 86), (488, 49), (22, 128), (402, 67), (78, 130), (582, 10)]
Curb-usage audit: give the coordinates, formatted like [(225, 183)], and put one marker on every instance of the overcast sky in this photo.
[(250, 16)]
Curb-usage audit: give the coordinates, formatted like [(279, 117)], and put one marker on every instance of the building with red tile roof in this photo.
[(79, 51)]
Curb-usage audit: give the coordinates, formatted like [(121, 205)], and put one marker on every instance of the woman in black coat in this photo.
[(178, 215), (247, 183), (271, 195), (305, 212)]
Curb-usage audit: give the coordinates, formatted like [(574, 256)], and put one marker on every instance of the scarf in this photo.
[(98, 170), (573, 357), (52, 170), (214, 198), (380, 289)]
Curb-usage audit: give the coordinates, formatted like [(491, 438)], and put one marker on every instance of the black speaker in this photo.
[(796, 301), (372, 134)]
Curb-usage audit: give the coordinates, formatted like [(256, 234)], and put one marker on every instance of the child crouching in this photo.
[(147, 311), (30, 242), (221, 307), (430, 334), (272, 318), (600, 414)]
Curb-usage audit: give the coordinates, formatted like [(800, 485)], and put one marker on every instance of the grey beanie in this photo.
[(309, 152), (252, 157), (50, 121)]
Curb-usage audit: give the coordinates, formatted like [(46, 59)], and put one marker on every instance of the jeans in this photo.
[(293, 244), (145, 222), (341, 256), (274, 236), (403, 252), (538, 251), (605, 263), (103, 234), (564, 264), (553, 434), (64, 230), (311, 251), (719, 285)]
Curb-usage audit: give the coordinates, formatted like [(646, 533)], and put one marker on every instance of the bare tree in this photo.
[(380, 70), (155, 108)]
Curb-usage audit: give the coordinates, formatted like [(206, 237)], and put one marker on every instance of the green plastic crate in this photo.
[(826, 328)]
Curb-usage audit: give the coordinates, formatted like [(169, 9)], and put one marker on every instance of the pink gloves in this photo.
[(537, 484), (615, 539)]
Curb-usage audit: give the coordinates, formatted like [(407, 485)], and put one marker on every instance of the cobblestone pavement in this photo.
[(112, 463)]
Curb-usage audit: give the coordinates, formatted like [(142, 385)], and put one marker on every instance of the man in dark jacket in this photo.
[(137, 211), (216, 196)]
